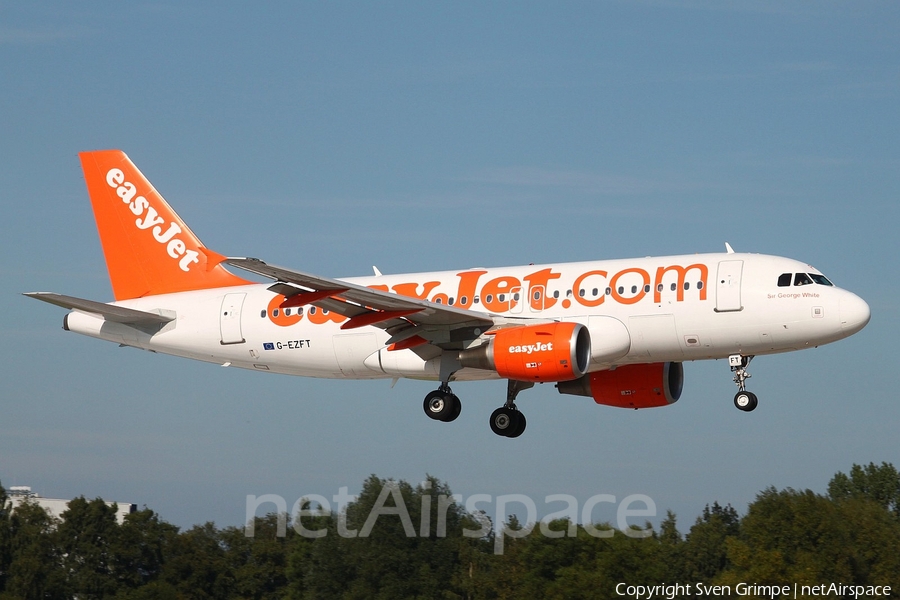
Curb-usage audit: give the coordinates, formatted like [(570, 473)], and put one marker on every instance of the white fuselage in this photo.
[(674, 308)]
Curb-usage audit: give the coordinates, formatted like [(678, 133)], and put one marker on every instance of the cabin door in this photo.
[(230, 319), (728, 286)]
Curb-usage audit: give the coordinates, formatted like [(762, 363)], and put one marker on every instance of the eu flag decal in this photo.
[(268, 346)]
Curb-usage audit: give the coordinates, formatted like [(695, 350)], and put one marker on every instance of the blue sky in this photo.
[(329, 137)]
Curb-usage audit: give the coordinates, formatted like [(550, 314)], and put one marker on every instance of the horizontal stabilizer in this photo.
[(110, 312), (363, 299)]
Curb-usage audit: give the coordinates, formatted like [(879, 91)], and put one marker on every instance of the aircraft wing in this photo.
[(401, 316), (110, 312)]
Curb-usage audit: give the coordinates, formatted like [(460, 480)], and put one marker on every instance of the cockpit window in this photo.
[(784, 280), (802, 279), (820, 279)]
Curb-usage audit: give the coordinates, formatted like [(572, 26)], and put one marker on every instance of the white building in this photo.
[(19, 494)]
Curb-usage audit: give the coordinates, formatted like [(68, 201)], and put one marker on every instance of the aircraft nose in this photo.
[(854, 313)]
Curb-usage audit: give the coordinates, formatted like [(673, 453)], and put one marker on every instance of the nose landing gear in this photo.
[(743, 400)]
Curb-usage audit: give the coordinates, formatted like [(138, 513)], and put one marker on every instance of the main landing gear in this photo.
[(743, 400), (443, 405), (507, 420)]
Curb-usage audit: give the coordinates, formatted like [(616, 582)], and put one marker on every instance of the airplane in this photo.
[(616, 331)]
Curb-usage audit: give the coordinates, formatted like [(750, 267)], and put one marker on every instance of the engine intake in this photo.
[(545, 352)]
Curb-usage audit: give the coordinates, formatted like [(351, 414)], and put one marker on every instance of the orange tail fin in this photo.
[(148, 248)]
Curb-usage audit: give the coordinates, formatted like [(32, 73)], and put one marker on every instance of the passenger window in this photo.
[(489, 298), (784, 280), (581, 293), (699, 285), (659, 287), (802, 279), (475, 300), (687, 285), (673, 286), (263, 313), (287, 312), (438, 301), (556, 293), (595, 291)]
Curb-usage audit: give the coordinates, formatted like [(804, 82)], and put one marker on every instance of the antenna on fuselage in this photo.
[(728, 248)]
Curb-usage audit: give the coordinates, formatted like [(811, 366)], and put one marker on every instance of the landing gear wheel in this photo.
[(503, 421), (442, 406), (745, 401), (457, 408), (507, 422), (519, 425)]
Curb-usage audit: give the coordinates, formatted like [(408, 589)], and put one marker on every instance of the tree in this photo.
[(196, 566), (397, 540), (35, 561), (873, 552), (705, 551), (806, 538), (87, 538), (5, 551), (300, 564), (880, 484), (672, 549), (790, 535), (140, 548), (258, 563), (407, 543)]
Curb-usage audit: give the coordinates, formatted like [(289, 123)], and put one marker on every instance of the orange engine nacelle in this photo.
[(630, 386), (546, 352)]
